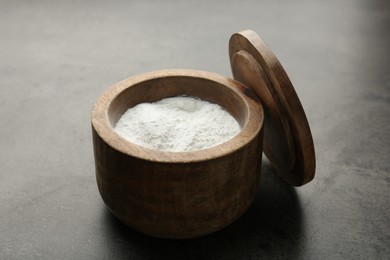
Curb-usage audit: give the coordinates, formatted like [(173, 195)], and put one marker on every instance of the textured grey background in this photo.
[(56, 57)]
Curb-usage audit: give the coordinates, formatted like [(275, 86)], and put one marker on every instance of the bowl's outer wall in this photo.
[(178, 200)]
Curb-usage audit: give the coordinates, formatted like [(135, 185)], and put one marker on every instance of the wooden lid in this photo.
[(288, 142)]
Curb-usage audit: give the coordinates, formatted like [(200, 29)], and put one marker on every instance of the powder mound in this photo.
[(177, 124)]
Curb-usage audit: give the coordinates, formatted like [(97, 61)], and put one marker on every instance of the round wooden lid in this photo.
[(288, 142)]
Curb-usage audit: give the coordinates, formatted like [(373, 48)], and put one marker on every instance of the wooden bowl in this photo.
[(178, 194)]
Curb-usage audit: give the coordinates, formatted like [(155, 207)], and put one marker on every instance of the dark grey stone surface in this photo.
[(56, 57)]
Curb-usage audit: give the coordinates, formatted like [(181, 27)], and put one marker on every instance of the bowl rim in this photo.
[(252, 127)]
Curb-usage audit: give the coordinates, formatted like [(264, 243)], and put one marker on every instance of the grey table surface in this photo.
[(57, 57)]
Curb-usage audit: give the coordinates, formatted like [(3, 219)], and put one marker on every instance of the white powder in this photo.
[(177, 124)]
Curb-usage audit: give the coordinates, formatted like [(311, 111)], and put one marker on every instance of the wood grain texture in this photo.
[(288, 142), (178, 194)]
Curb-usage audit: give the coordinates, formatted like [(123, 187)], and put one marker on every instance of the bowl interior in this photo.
[(152, 90)]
